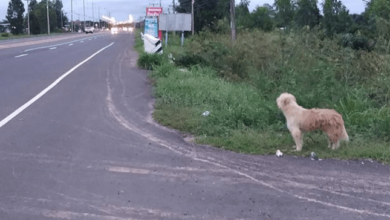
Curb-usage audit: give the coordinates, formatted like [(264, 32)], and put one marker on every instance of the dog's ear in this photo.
[(286, 102)]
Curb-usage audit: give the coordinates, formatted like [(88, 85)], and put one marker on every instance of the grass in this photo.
[(239, 85)]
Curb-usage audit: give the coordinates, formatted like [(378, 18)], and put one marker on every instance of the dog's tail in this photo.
[(344, 135)]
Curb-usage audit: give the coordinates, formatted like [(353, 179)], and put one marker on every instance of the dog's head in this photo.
[(284, 100)]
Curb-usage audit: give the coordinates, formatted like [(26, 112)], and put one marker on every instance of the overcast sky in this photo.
[(120, 9)]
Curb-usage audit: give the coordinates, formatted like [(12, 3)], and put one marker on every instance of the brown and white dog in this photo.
[(300, 120)]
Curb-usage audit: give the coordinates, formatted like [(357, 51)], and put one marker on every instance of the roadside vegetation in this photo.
[(343, 69)]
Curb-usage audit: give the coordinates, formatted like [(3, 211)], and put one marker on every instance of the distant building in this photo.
[(5, 27)]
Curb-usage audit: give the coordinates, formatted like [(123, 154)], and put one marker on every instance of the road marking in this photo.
[(53, 48), (43, 92), (128, 170), (37, 48), (70, 44), (81, 41), (21, 55)]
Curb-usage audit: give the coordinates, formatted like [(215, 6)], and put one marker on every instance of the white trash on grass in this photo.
[(206, 113), (313, 156), (279, 153)]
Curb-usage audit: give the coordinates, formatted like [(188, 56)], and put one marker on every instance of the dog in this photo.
[(300, 120)]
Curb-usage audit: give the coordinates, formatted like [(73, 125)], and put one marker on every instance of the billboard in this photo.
[(175, 22), (153, 11), (151, 26)]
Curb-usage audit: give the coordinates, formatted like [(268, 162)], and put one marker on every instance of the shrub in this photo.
[(5, 34), (149, 61)]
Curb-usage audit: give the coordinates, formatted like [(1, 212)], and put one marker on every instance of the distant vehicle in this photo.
[(89, 30), (114, 30)]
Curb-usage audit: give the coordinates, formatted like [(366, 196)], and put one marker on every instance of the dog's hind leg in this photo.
[(298, 138), (336, 145), (329, 142)]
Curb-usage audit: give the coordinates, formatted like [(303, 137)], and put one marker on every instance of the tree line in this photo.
[(37, 13), (335, 18)]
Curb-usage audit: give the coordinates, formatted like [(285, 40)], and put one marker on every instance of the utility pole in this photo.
[(160, 3), (232, 17), (62, 24), (28, 17), (48, 21), (99, 16), (84, 13), (192, 18), (174, 6), (71, 8), (93, 17)]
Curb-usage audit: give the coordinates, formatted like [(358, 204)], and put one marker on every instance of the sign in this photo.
[(153, 11), (175, 22), (151, 26)]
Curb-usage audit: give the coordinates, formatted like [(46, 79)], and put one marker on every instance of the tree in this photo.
[(285, 12), (57, 7), (206, 12), (242, 14), (307, 14), (336, 17), (34, 22), (15, 16), (379, 8), (39, 26), (261, 19)]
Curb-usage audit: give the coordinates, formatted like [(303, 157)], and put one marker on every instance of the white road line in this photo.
[(70, 44), (53, 48), (43, 92), (37, 48), (21, 55), (81, 41)]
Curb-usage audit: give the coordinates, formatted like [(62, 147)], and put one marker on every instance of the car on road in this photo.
[(114, 30), (89, 30)]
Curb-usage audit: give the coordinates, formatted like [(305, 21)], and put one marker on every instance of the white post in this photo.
[(166, 38), (182, 38)]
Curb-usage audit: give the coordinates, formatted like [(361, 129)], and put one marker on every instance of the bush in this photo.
[(320, 72), (231, 106), (5, 34), (149, 61)]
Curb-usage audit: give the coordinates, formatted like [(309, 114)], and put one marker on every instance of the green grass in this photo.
[(139, 44), (239, 87)]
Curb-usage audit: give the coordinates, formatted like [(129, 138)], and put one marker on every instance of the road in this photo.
[(77, 141)]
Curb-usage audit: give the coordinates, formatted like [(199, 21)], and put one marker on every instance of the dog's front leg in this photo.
[(298, 138)]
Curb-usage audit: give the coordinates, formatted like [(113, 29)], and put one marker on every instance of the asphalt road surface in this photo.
[(77, 141)]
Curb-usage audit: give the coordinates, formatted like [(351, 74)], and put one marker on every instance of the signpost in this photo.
[(151, 26), (175, 22), (151, 21)]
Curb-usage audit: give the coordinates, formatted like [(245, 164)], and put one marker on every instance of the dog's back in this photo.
[(327, 120)]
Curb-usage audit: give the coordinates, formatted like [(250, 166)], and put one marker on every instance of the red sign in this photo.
[(153, 11)]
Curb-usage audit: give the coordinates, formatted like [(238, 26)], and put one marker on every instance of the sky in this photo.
[(121, 9)]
